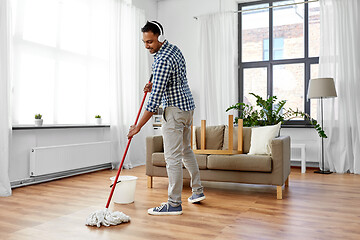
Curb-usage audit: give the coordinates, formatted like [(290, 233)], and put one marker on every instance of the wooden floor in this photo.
[(314, 207)]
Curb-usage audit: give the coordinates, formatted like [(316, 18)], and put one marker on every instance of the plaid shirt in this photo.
[(170, 86)]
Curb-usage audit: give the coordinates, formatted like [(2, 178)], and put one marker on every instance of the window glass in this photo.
[(36, 93), (75, 26), (255, 28), (255, 81), (266, 50), (288, 84), (73, 85), (278, 48), (289, 25), (314, 29), (61, 61), (39, 18)]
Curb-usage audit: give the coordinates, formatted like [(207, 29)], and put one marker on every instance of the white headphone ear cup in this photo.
[(161, 38)]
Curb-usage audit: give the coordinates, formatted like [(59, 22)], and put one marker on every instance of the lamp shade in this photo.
[(321, 88)]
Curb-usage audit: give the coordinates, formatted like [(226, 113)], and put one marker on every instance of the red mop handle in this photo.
[(126, 150)]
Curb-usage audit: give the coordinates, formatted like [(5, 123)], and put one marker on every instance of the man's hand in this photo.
[(134, 129), (148, 87)]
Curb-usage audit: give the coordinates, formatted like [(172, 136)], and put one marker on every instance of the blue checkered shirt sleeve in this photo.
[(161, 71)]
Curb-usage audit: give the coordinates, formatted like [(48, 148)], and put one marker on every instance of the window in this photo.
[(61, 55), (254, 32), (278, 48), (254, 79), (289, 37)]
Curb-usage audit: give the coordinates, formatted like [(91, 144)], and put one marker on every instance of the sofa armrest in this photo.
[(280, 148), (153, 144)]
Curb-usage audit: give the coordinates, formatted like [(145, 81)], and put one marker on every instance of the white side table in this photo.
[(302, 157)]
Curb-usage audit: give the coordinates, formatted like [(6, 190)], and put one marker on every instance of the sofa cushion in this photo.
[(158, 160), (261, 138), (246, 138), (214, 138), (240, 162)]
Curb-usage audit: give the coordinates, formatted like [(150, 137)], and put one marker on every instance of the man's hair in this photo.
[(149, 26)]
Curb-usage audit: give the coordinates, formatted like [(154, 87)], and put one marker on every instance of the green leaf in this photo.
[(271, 112)]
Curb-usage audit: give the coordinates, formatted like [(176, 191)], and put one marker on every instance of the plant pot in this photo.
[(98, 121), (38, 122)]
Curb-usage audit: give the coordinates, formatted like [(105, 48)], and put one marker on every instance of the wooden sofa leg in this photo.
[(279, 192), (287, 182), (149, 181)]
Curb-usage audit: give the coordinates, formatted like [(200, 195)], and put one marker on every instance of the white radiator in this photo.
[(55, 159)]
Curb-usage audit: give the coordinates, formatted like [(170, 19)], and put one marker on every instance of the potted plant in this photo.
[(271, 113), (38, 120), (98, 119)]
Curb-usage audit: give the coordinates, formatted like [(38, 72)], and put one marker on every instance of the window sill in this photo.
[(58, 126), (296, 126)]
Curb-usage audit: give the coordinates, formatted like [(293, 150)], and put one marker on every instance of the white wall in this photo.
[(310, 138), (24, 140), (149, 6), (182, 29)]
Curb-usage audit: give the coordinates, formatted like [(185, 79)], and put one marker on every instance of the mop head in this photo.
[(106, 218)]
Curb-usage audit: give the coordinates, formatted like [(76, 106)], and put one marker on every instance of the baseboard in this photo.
[(59, 175), (308, 164)]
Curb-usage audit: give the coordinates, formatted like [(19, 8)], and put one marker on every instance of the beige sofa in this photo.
[(271, 169)]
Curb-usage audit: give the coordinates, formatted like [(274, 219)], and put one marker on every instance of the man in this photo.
[(170, 87)]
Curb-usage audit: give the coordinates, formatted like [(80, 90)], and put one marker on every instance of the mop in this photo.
[(105, 217)]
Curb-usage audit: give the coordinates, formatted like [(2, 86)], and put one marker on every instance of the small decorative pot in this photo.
[(38, 122), (98, 121)]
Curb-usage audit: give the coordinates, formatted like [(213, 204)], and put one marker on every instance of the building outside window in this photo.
[(278, 49), (279, 52)]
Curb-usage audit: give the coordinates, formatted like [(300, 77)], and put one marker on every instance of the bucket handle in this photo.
[(116, 183)]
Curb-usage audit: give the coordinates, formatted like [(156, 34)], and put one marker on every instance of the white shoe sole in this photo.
[(196, 200), (151, 212)]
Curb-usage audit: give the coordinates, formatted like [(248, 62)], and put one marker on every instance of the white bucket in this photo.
[(125, 190)]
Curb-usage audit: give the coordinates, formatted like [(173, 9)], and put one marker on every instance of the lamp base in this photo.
[(323, 172)]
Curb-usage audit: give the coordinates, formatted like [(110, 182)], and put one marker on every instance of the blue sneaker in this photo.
[(196, 198), (165, 209)]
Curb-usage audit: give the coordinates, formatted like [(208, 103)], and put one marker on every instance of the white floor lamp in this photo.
[(320, 88)]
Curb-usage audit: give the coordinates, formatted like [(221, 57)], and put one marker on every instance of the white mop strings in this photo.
[(106, 218)]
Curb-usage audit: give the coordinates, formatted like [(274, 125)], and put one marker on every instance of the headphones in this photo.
[(161, 37)]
